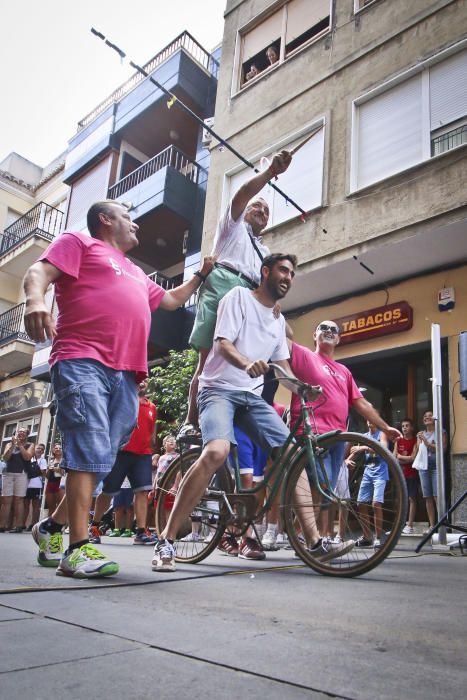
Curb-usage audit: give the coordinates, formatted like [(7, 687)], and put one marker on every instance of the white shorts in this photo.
[(15, 484)]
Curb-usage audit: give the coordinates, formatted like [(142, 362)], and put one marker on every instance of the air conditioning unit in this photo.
[(207, 137)]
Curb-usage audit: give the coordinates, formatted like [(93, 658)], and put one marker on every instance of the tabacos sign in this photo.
[(374, 323)]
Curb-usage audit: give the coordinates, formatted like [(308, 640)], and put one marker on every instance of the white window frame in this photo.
[(423, 68), (269, 151), (360, 5), (237, 88), (35, 420)]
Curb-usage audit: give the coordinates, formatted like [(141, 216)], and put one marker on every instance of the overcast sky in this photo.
[(53, 71)]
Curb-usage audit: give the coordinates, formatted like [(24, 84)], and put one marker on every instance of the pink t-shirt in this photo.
[(340, 391), (104, 304)]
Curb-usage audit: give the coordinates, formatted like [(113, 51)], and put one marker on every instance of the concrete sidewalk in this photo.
[(228, 627)]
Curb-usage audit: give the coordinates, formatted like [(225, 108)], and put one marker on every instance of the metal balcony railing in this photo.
[(183, 40), (43, 220), (167, 283), (12, 325), (170, 156), (446, 142)]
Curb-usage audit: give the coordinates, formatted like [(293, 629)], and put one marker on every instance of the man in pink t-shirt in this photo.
[(340, 393), (99, 355)]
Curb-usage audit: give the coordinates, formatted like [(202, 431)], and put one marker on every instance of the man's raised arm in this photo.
[(37, 317), (250, 189)]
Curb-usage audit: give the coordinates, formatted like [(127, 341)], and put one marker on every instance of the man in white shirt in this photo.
[(239, 253), (247, 335)]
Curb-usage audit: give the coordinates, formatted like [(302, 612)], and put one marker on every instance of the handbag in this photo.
[(421, 458), (33, 470)]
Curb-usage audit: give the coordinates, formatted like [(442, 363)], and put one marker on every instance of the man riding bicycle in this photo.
[(246, 329)]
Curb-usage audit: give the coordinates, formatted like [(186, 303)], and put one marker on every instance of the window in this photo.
[(303, 180), (411, 121), (279, 35), (32, 423)]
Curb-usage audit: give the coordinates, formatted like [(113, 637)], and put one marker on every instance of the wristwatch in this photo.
[(199, 274)]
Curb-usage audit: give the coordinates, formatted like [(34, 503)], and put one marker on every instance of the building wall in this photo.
[(323, 80)]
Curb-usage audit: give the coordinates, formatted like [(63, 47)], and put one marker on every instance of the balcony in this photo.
[(16, 347), (137, 111), (182, 41), (165, 198), (24, 240)]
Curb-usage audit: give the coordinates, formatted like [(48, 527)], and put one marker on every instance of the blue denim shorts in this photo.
[(251, 459), (218, 409), (332, 461), (371, 489), (123, 499), (97, 408), (429, 482), (137, 468)]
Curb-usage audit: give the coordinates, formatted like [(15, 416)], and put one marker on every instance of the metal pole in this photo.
[(438, 416)]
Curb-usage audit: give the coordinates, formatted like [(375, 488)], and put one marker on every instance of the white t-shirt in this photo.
[(254, 331), (233, 247), (36, 483)]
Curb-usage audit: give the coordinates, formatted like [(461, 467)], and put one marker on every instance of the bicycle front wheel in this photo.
[(201, 531), (362, 527)]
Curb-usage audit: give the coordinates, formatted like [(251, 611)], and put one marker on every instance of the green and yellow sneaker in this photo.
[(86, 562), (50, 545)]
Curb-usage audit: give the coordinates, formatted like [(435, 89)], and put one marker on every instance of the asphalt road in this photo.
[(228, 628)]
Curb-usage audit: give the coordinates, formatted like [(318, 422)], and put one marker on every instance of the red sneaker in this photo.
[(251, 549), (228, 545)]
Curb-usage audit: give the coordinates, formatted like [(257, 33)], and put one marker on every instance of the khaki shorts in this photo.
[(14, 484), (218, 283)]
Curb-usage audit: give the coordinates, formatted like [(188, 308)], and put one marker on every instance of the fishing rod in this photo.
[(175, 100)]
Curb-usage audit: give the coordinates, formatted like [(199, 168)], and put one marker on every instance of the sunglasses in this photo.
[(325, 327)]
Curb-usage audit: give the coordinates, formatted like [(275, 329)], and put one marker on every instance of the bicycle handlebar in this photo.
[(306, 391)]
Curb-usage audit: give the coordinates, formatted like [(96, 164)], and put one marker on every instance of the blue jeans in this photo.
[(138, 469), (97, 408), (218, 409), (429, 482)]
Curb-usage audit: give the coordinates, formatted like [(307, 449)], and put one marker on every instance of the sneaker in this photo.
[(326, 549), (126, 533), (337, 540), (191, 537), (145, 537), (408, 530), (282, 540), (363, 542), (116, 532), (269, 541), (209, 536), (251, 549), (50, 545), (16, 530), (228, 545), (164, 556), (86, 562), (94, 534), (377, 543)]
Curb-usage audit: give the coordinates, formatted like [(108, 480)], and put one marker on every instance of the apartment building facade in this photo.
[(33, 205), (139, 148), (376, 91)]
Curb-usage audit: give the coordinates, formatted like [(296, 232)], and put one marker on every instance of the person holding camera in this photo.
[(17, 456)]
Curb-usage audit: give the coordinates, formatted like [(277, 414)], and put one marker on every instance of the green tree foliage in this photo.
[(168, 389)]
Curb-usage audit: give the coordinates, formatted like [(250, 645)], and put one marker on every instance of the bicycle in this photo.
[(298, 474)]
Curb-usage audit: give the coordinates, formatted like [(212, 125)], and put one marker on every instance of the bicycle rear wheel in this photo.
[(200, 533), (349, 519)]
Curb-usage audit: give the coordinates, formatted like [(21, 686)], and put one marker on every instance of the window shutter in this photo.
[(390, 132), (262, 36), (448, 90), (91, 187), (304, 14), (303, 180)]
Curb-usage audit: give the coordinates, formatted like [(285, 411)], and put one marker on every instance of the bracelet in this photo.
[(199, 274)]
